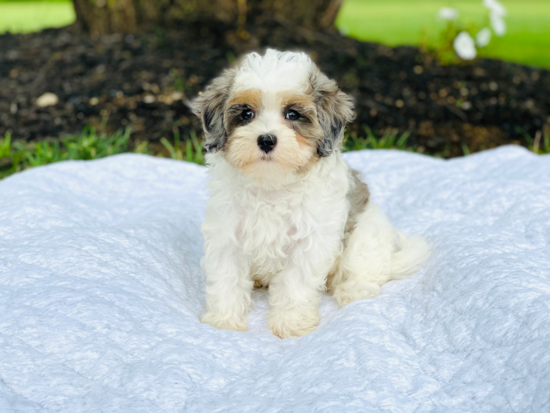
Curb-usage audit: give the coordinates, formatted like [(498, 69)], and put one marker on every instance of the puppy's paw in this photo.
[(286, 324), (223, 322), (353, 290)]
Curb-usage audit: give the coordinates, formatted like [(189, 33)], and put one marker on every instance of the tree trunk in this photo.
[(98, 17), (312, 14)]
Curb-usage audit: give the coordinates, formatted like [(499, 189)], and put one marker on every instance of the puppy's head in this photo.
[(273, 114)]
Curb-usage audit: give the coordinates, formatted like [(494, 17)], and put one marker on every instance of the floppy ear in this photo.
[(209, 107), (334, 111)]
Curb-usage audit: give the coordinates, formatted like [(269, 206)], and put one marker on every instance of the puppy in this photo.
[(285, 211)]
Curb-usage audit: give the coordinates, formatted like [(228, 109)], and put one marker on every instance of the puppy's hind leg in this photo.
[(366, 260), (375, 253)]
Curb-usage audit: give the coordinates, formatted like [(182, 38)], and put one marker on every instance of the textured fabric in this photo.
[(100, 293)]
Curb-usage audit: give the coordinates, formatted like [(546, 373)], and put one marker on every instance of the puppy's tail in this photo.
[(411, 254)]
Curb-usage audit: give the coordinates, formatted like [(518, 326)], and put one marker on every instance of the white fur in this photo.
[(278, 219), (290, 238), (375, 254), (274, 71)]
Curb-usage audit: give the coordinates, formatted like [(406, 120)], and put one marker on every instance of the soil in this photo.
[(143, 81)]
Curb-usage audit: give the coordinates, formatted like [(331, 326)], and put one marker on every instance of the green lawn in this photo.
[(31, 16), (401, 22), (393, 22)]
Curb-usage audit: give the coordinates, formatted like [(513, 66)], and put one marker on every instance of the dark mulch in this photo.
[(143, 80)]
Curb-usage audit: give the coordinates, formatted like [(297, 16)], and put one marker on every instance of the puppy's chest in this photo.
[(270, 225)]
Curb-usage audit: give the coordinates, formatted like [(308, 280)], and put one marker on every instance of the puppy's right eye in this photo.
[(247, 114)]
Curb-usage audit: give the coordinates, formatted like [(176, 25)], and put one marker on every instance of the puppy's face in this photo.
[(271, 131), (274, 115)]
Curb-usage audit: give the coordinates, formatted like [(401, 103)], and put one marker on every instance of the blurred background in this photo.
[(84, 79)]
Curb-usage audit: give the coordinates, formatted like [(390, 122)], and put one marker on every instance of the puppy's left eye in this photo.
[(292, 115)]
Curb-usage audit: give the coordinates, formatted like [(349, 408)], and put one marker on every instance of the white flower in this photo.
[(498, 24), (496, 14), (464, 46), (483, 37), (495, 7), (448, 13)]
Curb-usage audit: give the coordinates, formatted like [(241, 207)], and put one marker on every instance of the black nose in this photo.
[(267, 142)]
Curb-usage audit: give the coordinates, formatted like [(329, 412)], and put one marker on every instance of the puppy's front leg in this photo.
[(228, 287), (295, 292)]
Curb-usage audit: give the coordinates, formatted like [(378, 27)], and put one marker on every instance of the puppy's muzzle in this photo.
[(267, 142)]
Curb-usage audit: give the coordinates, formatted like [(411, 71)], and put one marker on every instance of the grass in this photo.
[(193, 148), (32, 16), (389, 140), (540, 144), (402, 22), (19, 155), (16, 156)]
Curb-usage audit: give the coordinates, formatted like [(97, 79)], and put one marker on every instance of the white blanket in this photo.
[(101, 290)]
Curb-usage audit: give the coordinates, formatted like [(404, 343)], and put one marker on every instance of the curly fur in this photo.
[(296, 219)]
